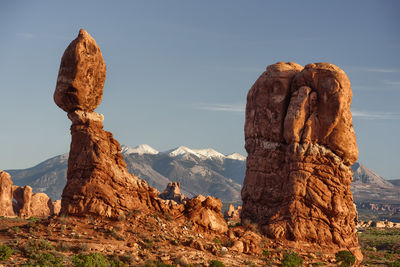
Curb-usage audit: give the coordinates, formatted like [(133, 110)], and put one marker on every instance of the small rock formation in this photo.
[(301, 143), (6, 195), (23, 197), (26, 204), (233, 214), (98, 182), (173, 192), (206, 212)]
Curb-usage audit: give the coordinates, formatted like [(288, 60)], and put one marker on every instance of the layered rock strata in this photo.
[(98, 182), (301, 143)]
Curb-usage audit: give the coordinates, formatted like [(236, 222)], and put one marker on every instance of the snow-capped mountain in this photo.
[(206, 153), (236, 156), (140, 149), (199, 171)]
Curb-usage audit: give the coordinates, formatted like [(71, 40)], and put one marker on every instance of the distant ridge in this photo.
[(200, 171)]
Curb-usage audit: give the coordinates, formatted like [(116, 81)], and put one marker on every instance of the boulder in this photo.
[(300, 142), (206, 213), (81, 76)]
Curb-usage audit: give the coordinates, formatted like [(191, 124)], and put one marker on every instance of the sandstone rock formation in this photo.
[(301, 144), (173, 192), (98, 182), (233, 214), (26, 204), (206, 213), (6, 195), (81, 76)]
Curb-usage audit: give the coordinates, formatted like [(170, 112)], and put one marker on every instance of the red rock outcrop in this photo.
[(206, 213), (23, 197), (233, 214), (6, 195), (301, 143), (30, 204), (173, 192), (98, 182), (26, 204)]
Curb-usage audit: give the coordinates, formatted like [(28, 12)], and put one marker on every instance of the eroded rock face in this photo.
[(301, 144), (6, 195)]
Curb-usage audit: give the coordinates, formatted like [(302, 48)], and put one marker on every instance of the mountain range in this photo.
[(199, 171)]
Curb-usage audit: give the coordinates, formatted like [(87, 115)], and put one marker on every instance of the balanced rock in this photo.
[(300, 142), (98, 182), (6, 195), (81, 76)]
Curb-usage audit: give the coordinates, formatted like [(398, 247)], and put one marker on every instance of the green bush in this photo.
[(94, 259), (216, 263), (5, 252), (45, 259), (34, 246), (394, 264), (344, 258), (292, 259)]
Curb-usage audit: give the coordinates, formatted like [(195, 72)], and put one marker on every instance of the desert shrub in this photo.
[(45, 259), (291, 259), (93, 259), (33, 219), (217, 241), (216, 263), (394, 264), (35, 246), (381, 239), (5, 252), (150, 263), (126, 258), (345, 258), (117, 236)]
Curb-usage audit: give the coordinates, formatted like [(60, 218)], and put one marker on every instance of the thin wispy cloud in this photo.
[(392, 82), (373, 69), (221, 107), (368, 115), (25, 35)]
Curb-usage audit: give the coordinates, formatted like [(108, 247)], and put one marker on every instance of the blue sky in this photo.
[(179, 71)]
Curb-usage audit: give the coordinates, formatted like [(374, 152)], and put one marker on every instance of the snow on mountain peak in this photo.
[(209, 153), (236, 156), (205, 153), (140, 149), (182, 150)]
